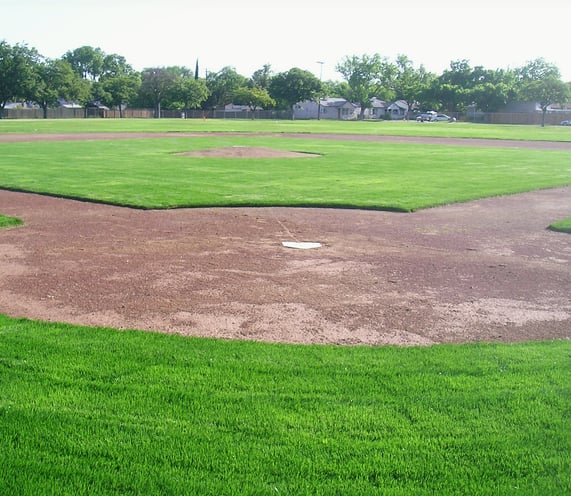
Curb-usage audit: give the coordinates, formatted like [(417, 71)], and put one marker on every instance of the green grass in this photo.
[(96, 411), (562, 226), (146, 173), (6, 221), (391, 128)]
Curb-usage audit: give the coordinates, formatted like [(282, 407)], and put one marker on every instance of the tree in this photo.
[(451, 89), (118, 83), (186, 92), (536, 70), (114, 65), (222, 85), (86, 61), (293, 86), (262, 78), (546, 92), (119, 90), (367, 76), (155, 83), (55, 81), (410, 83), (17, 72), (253, 98)]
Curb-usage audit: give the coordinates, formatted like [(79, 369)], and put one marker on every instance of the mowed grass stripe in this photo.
[(148, 173), (97, 411), (389, 128)]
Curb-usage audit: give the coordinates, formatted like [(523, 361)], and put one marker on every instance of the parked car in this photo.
[(443, 117), (432, 116), (566, 123), (426, 116)]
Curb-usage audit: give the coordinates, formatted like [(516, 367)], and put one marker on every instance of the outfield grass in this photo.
[(9, 221), (562, 226), (97, 411), (390, 128), (147, 173)]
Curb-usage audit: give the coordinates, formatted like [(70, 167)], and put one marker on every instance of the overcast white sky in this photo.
[(246, 34)]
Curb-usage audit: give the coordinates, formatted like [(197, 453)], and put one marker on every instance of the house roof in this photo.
[(376, 103), (400, 104), (337, 102)]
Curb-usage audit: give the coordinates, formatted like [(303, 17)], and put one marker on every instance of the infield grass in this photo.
[(148, 173), (562, 226), (6, 221), (95, 411)]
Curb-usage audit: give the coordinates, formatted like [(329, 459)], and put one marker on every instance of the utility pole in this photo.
[(319, 95)]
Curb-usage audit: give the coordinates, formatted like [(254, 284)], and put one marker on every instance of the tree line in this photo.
[(88, 76)]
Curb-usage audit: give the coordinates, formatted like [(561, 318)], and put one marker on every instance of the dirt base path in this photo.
[(481, 271)]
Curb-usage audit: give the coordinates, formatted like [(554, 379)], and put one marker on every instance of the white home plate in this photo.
[(300, 245)]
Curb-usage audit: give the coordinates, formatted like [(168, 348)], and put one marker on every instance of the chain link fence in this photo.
[(519, 118)]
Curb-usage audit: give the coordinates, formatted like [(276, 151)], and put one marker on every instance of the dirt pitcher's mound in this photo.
[(247, 152)]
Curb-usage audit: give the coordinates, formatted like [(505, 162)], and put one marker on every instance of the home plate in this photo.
[(300, 245)]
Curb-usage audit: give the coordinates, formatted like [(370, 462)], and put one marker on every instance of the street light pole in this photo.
[(319, 95)]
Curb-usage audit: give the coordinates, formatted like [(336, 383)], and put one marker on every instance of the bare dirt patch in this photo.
[(481, 271)]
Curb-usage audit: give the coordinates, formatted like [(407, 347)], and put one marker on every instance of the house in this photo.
[(231, 107), (69, 105), (19, 105), (398, 109), (377, 110), (341, 109), (329, 108), (534, 107)]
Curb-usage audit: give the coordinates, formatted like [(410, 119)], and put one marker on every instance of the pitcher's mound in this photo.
[(247, 152)]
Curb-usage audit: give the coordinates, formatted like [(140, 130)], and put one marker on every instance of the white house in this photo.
[(329, 108), (341, 109), (398, 109), (377, 110)]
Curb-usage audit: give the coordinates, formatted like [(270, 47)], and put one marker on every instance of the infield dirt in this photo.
[(487, 270)]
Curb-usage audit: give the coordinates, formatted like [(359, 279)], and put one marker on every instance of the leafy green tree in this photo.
[(451, 90), (490, 96), (118, 83), (187, 92), (17, 72), (333, 89), (261, 78), (253, 98), (155, 84), (86, 61), (545, 91), (115, 65), (222, 85), (118, 91), (409, 83), (293, 86), (536, 70), (367, 76), (55, 81)]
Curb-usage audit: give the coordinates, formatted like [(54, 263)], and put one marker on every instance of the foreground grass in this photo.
[(9, 221), (147, 173), (562, 226), (97, 411), (390, 128)]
